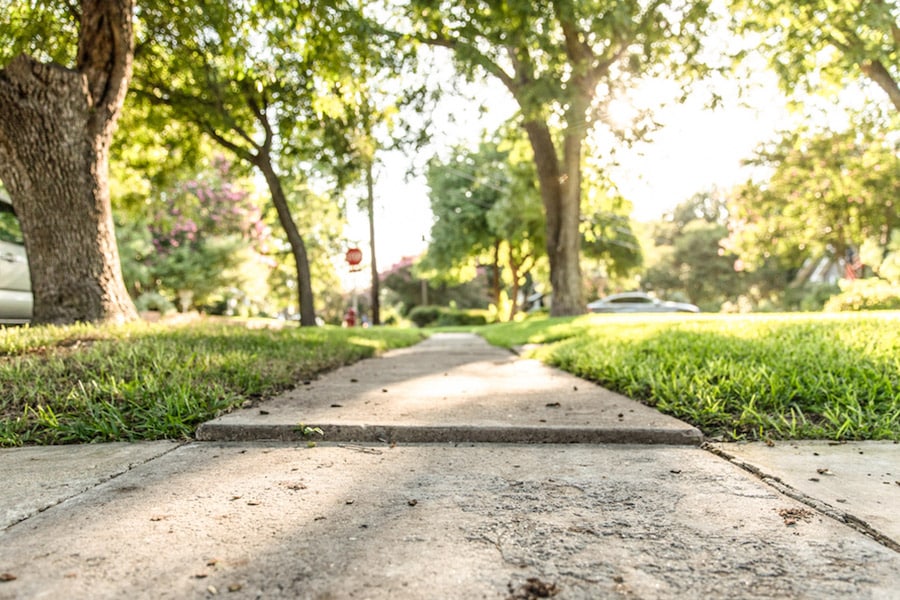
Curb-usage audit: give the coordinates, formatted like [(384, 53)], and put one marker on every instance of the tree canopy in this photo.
[(243, 75), (828, 192), (562, 61), (819, 44)]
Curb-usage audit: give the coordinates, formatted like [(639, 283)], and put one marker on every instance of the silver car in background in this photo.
[(15, 278), (637, 302)]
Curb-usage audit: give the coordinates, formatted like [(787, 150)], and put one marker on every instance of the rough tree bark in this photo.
[(56, 125)]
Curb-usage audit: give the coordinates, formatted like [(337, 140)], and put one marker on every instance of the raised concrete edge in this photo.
[(415, 434)]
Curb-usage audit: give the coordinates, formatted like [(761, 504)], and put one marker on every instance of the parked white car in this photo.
[(635, 302), (15, 278)]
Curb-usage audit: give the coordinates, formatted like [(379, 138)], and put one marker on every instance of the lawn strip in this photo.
[(154, 381), (740, 377)]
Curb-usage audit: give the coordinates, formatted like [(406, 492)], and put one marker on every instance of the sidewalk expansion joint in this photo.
[(823, 508), (97, 483)]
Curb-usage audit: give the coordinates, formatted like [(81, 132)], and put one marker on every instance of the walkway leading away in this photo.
[(453, 388), (442, 498)]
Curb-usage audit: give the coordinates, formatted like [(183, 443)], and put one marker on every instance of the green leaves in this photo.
[(47, 31), (829, 191), (487, 213), (819, 45)]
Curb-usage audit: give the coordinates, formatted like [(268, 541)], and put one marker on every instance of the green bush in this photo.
[(441, 316), (865, 294), (811, 297), (450, 317), (423, 316), (154, 301)]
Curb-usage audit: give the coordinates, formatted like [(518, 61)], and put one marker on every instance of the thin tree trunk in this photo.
[(56, 127), (495, 275), (298, 248), (519, 272), (514, 296), (376, 284)]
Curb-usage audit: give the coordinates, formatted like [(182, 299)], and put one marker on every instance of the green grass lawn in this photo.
[(756, 377), (807, 376), (144, 381)]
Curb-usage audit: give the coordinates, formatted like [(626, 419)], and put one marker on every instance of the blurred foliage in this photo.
[(405, 290), (828, 192), (487, 212), (820, 45), (865, 294), (686, 260), (204, 244)]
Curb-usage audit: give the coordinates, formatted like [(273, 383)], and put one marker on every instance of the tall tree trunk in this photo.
[(495, 274), (370, 208), (56, 125), (561, 196), (298, 248), (514, 290)]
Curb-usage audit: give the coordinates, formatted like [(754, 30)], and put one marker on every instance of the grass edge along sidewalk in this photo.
[(95, 383), (759, 376), (736, 377)]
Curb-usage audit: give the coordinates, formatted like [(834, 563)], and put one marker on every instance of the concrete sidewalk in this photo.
[(475, 513), (452, 388)]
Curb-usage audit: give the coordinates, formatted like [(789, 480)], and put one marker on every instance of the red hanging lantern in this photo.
[(354, 257)]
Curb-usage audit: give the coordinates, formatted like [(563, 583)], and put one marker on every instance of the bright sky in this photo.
[(696, 150)]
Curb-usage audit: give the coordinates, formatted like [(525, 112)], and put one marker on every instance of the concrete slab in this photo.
[(453, 387), (855, 481), (35, 478), (438, 521)]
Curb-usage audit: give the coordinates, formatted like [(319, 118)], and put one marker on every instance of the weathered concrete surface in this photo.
[(856, 481), (33, 479), (438, 521), (453, 387), (280, 520)]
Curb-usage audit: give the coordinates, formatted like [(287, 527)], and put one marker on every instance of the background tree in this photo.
[(359, 114), (462, 192), (562, 61), (688, 261), (828, 192), (247, 77), (487, 212), (56, 127), (612, 249), (325, 240), (517, 219), (405, 289), (208, 238), (819, 44), (159, 154)]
